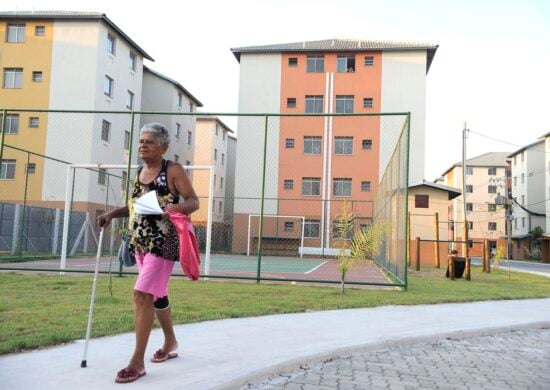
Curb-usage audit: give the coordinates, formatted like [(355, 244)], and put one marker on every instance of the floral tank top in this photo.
[(154, 233)]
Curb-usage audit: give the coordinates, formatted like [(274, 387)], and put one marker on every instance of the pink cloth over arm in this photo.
[(189, 251)]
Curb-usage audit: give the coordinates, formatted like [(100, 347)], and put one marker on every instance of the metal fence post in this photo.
[(417, 260), (260, 234), (2, 137), (436, 244)]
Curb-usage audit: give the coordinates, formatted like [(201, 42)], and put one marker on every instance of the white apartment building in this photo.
[(486, 179), (78, 61), (163, 94), (528, 192)]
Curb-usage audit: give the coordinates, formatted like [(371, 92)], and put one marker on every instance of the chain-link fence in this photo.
[(270, 199)]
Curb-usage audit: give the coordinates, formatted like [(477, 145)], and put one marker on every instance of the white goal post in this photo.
[(249, 239), (69, 198)]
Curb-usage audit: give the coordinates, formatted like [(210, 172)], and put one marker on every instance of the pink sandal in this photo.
[(161, 356), (128, 374)]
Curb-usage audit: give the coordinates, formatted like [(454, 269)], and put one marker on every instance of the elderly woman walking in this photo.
[(155, 244)]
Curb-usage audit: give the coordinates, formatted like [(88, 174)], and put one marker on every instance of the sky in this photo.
[(491, 70)]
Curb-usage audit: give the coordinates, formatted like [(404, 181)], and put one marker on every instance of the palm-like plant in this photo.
[(359, 246)]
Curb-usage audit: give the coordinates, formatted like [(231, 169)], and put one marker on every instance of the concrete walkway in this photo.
[(229, 353)]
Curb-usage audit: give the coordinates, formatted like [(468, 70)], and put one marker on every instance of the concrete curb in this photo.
[(290, 366)]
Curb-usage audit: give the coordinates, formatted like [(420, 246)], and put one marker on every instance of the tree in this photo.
[(356, 247)]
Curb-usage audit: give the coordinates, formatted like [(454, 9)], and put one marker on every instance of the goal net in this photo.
[(92, 189), (281, 234)]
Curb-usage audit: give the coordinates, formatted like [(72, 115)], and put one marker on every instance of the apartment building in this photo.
[(486, 188), (315, 164), (66, 61), (163, 94), (214, 148), (529, 195)]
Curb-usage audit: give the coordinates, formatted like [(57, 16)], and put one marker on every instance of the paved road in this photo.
[(513, 360), (542, 269)]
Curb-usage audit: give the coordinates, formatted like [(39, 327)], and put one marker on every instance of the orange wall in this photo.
[(362, 165)]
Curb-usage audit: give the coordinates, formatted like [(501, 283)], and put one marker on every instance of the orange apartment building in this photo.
[(316, 164)]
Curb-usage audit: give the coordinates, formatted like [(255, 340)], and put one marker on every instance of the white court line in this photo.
[(319, 266)]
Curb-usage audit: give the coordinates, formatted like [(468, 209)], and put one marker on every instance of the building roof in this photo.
[(174, 82), (215, 118), (491, 159), (72, 15), (526, 147), (339, 45), (453, 192)]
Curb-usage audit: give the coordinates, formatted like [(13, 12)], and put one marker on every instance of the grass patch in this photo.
[(40, 310)]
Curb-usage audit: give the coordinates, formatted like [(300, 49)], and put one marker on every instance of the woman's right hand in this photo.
[(104, 219)]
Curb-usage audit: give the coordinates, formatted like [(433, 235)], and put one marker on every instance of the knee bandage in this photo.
[(162, 303)]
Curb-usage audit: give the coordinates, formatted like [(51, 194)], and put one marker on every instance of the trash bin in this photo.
[(459, 265)]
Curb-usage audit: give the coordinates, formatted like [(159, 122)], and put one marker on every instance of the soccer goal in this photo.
[(87, 226), (285, 232)]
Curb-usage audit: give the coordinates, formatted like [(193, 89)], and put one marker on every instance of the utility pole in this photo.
[(465, 225)]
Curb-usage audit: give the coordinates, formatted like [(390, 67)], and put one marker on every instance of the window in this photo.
[(344, 104), (12, 123), (365, 186), (469, 188), (8, 170), (215, 181), (132, 61), (191, 107), (311, 186), (13, 77), (366, 144), (515, 181), (221, 183), (515, 224), (312, 145), (40, 31), (289, 143), (126, 140), (124, 178), (102, 176), (108, 86), (291, 103), (105, 131), (215, 154), (341, 187), (522, 178), (522, 221), (492, 189), (189, 137), (470, 225), (130, 100), (217, 130), (491, 207), (176, 158), (492, 171), (515, 161), (345, 63), (311, 228), (178, 131), (220, 207), (289, 184), (337, 233), (31, 168), (16, 33), (369, 60), (223, 135), (293, 62), (469, 170), (422, 201), (522, 158), (111, 44), (316, 64), (367, 102), (180, 99), (314, 104), (37, 76), (343, 145), (223, 158), (289, 226), (34, 122), (469, 207), (523, 200)]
